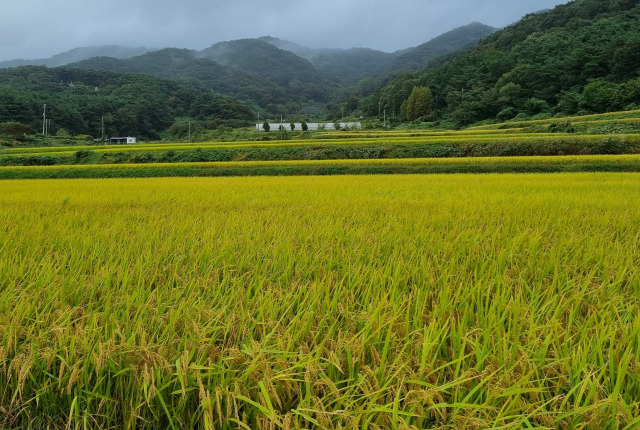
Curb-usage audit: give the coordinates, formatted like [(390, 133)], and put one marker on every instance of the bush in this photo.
[(83, 153), (507, 114), (15, 130), (535, 106), (562, 127)]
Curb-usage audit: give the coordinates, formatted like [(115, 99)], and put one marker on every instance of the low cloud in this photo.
[(39, 29)]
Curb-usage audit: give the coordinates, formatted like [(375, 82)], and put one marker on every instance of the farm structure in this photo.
[(127, 140)]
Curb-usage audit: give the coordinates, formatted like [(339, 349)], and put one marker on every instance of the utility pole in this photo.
[(189, 131), (44, 119), (281, 128), (102, 132), (385, 119)]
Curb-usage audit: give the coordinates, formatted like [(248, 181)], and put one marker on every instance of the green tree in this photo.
[(626, 61), (419, 104), (601, 96), (534, 106), (510, 95), (266, 126)]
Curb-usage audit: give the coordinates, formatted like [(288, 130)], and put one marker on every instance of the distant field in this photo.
[(593, 163), (632, 117), (368, 302), (615, 133)]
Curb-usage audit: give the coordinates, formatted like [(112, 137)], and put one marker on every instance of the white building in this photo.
[(275, 126), (127, 140)]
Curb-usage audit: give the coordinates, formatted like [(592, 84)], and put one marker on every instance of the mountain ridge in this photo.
[(577, 58), (79, 54)]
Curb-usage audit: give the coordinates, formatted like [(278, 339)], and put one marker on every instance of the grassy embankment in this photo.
[(592, 135)]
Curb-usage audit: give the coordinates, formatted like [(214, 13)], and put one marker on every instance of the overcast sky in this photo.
[(32, 29)]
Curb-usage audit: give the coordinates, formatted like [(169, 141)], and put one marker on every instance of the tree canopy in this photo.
[(580, 57)]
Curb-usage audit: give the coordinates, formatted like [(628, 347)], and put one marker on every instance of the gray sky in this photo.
[(32, 29)]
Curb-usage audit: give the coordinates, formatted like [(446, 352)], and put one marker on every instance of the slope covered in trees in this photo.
[(455, 40), (268, 76), (351, 65), (130, 104), (580, 57), (190, 69)]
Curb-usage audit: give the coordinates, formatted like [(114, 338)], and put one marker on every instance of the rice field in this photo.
[(589, 163), (343, 302), (389, 139)]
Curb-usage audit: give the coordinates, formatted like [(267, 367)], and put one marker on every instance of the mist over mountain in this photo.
[(351, 65), (79, 54), (455, 40), (270, 73)]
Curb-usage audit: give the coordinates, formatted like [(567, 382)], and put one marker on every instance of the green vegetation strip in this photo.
[(600, 117), (434, 147), (391, 139), (604, 163)]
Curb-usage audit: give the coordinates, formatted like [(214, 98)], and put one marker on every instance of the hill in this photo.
[(78, 101), (345, 65), (78, 54), (580, 57), (266, 61), (351, 65), (269, 75), (452, 41), (189, 68)]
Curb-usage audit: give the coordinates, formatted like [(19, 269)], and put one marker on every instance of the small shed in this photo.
[(128, 140)]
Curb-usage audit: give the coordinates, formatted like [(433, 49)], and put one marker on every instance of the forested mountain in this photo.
[(345, 65), (187, 67), (256, 72), (352, 65), (268, 76), (455, 40), (79, 54), (266, 61), (131, 104), (276, 76), (578, 57)]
